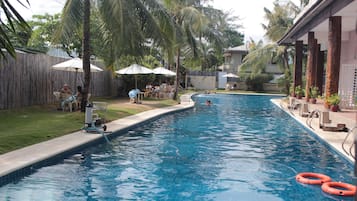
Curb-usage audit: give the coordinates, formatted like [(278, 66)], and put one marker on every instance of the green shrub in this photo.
[(299, 91), (314, 92), (256, 83), (334, 99)]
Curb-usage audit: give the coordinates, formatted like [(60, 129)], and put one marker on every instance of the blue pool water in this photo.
[(239, 148)]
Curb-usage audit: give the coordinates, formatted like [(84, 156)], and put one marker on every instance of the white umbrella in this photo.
[(163, 71), (134, 69), (74, 65), (231, 75)]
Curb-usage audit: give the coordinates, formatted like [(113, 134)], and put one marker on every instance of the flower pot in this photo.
[(334, 108), (313, 100)]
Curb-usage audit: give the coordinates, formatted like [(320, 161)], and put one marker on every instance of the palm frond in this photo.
[(12, 18), (71, 20)]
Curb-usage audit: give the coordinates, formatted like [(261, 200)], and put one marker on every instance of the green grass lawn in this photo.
[(31, 125)]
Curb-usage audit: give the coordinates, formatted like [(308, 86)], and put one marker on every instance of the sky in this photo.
[(251, 12)]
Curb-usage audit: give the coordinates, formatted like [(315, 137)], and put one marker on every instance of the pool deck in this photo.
[(334, 139), (26, 157)]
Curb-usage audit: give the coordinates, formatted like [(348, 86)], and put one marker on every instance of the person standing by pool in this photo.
[(79, 97)]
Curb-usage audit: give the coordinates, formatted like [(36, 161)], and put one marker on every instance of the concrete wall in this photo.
[(236, 62), (203, 82), (349, 49), (269, 87), (233, 62), (222, 81), (272, 87), (348, 71)]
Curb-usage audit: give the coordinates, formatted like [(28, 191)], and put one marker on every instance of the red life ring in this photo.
[(312, 178), (336, 188)]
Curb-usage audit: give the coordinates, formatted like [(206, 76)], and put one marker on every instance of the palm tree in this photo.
[(186, 17), (252, 63), (279, 21), (86, 52), (123, 32), (192, 25), (13, 19)]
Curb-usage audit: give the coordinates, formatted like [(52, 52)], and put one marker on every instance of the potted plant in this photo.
[(314, 92), (299, 92), (333, 101)]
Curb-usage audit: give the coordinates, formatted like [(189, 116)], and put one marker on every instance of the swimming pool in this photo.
[(240, 148)]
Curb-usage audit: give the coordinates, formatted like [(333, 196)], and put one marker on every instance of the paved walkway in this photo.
[(335, 139), (28, 156)]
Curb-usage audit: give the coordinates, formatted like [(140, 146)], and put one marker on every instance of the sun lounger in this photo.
[(338, 128), (326, 125), (293, 103), (304, 110)]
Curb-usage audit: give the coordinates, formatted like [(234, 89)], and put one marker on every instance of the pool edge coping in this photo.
[(320, 135)]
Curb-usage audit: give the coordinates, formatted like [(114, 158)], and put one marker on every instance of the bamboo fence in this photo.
[(30, 80)]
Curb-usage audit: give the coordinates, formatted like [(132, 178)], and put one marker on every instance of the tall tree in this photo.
[(122, 32), (196, 29), (43, 27), (188, 20), (256, 50), (220, 32), (233, 38), (280, 19), (86, 52), (12, 19)]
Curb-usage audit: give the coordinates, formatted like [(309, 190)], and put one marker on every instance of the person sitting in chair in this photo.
[(66, 97), (65, 92)]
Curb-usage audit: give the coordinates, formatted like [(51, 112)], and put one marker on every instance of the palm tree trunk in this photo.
[(177, 81), (86, 53)]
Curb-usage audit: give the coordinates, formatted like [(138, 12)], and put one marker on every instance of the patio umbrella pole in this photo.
[(75, 78), (136, 81)]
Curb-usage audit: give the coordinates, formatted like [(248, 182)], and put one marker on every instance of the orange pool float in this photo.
[(312, 178), (339, 188)]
